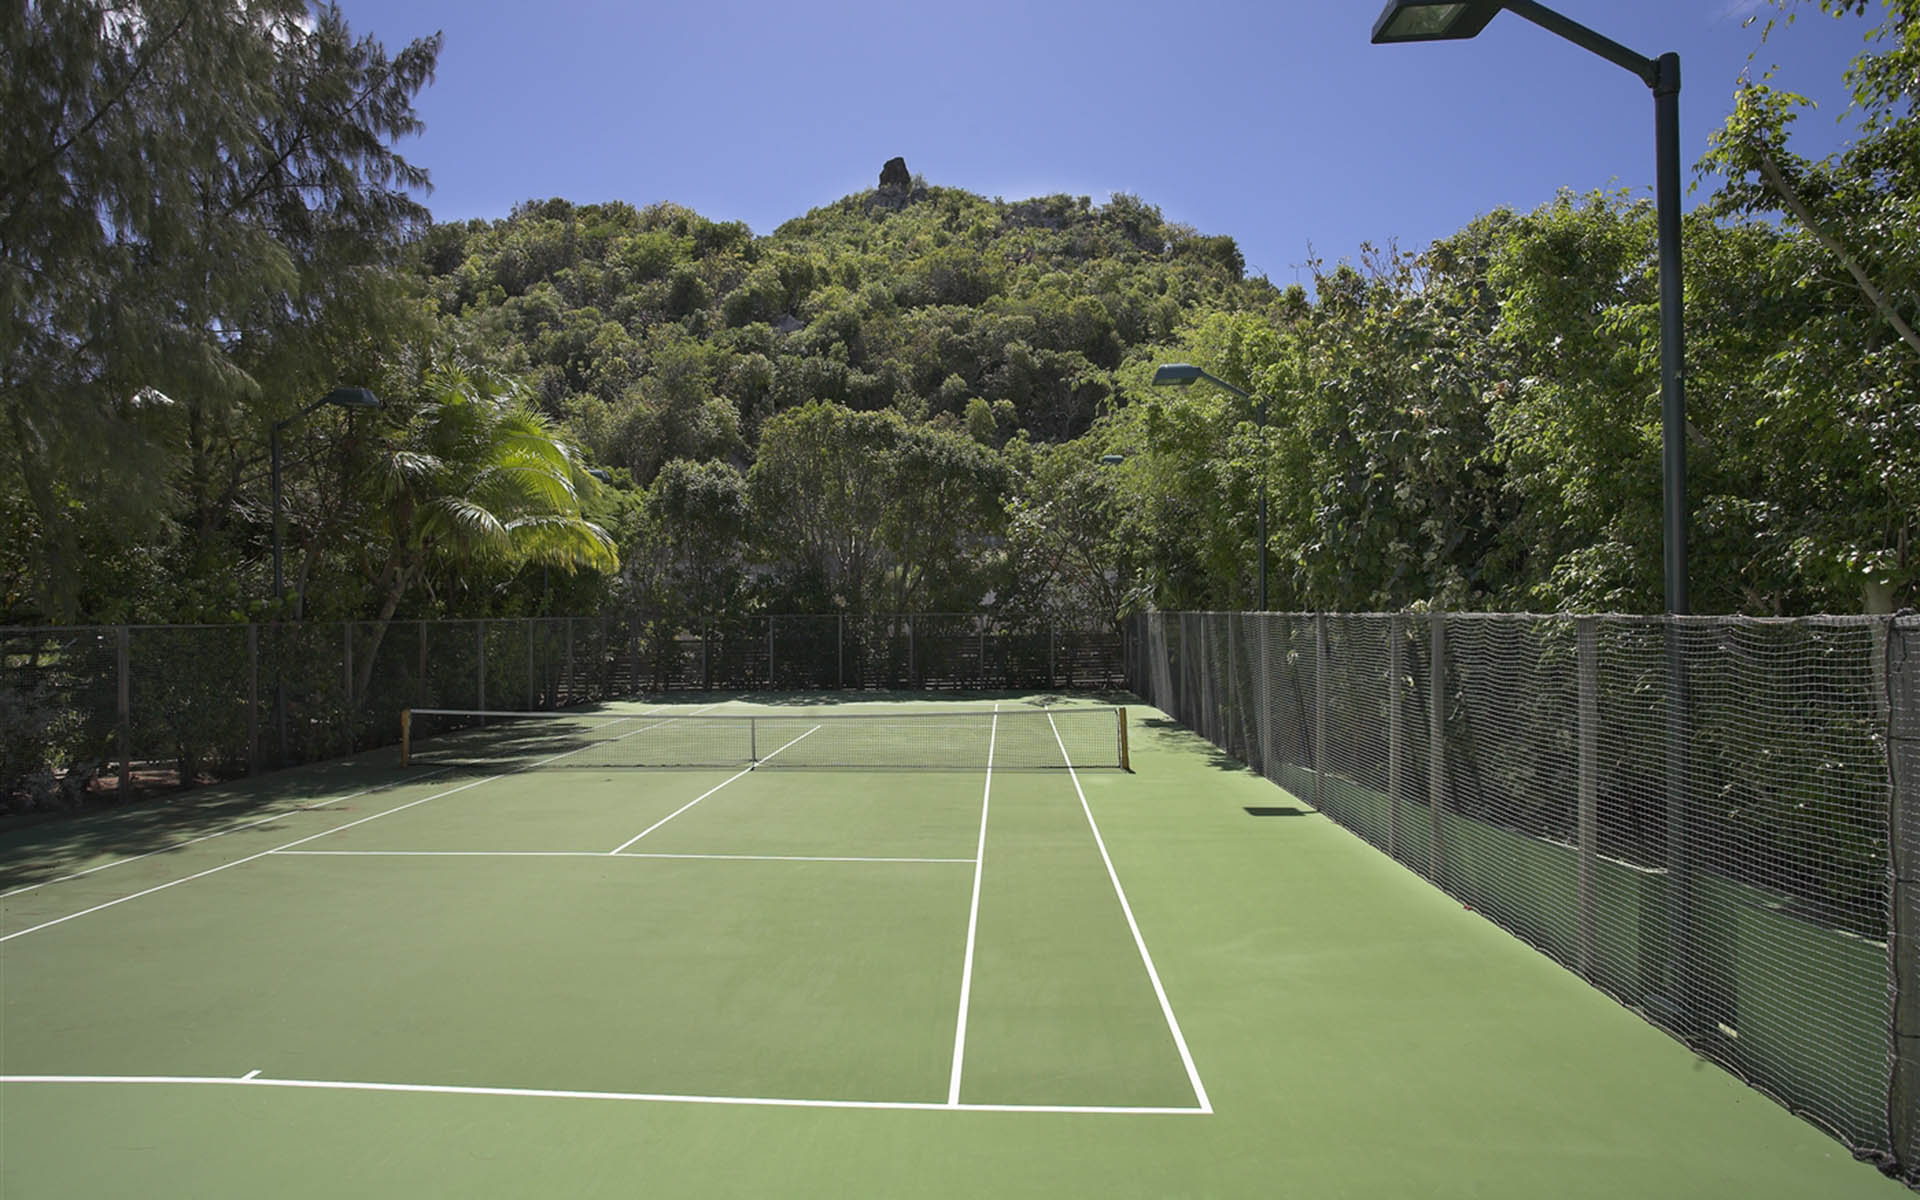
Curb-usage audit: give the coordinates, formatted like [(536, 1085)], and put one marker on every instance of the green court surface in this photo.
[(369, 979)]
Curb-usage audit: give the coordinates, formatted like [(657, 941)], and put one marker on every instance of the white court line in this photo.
[(318, 804), (654, 1097), (1140, 942), (973, 922), (299, 841), (702, 796), (603, 854)]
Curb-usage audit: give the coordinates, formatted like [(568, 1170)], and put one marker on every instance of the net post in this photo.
[(406, 735), (1126, 762)]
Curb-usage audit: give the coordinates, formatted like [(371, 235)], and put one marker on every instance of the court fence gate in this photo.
[(1714, 819), (116, 709)]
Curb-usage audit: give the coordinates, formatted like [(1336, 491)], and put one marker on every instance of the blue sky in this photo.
[(1274, 122)]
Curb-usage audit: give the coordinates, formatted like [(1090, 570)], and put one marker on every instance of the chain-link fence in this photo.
[(1693, 813), (118, 708)]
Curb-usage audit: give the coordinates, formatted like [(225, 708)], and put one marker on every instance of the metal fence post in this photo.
[(253, 698), (1680, 1016), (346, 677), (1396, 727), (1437, 744), (769, 649), (1319, 710), (1587, 631), (532, 695), (280, 686), (1901, 659), (123, 663), (480, 665), (1262, 690), (840, 648), (571, 698)]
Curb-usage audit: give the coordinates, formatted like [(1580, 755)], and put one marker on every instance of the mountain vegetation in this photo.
[(911, 398)]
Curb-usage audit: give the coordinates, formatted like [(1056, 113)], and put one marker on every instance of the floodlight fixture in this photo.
[(1186, 375), (341, 397), (1432, 20)]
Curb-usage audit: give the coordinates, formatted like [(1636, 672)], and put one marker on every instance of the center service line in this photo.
[(703, 795), (973, 922)]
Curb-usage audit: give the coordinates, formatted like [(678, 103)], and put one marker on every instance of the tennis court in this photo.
[(932, 959)]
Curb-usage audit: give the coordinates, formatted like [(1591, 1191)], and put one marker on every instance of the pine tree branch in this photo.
[(139, 71), (1798, 207)]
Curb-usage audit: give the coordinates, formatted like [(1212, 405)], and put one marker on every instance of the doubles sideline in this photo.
[(316, 836)]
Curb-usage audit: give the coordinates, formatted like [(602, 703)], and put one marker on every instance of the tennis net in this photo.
[(1012, 739)]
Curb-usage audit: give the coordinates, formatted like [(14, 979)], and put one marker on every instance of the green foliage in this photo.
[(900, 400), (172, 253)]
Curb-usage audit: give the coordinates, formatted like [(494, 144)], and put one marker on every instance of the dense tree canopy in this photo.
[(913, 398)]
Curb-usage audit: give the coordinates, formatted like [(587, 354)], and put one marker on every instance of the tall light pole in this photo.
[(1186, 375), (1441, 20), (1449, 20), (343, 397)]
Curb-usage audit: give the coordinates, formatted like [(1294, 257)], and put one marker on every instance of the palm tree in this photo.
[(475, 475)]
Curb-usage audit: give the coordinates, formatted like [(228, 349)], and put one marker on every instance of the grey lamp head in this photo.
[(602, 476), (352, 397), (1432, 20), (1177, 375), (1112, 460)]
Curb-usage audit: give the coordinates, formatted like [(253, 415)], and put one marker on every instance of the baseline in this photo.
[(842, 858), (256, 1080)]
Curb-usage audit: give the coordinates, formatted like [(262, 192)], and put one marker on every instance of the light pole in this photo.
[(1185, 375), (1440, 20), (342, 397), (1449, 20)]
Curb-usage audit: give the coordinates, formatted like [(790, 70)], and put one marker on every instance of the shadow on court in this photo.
[(37, 850), (1169, 735)]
